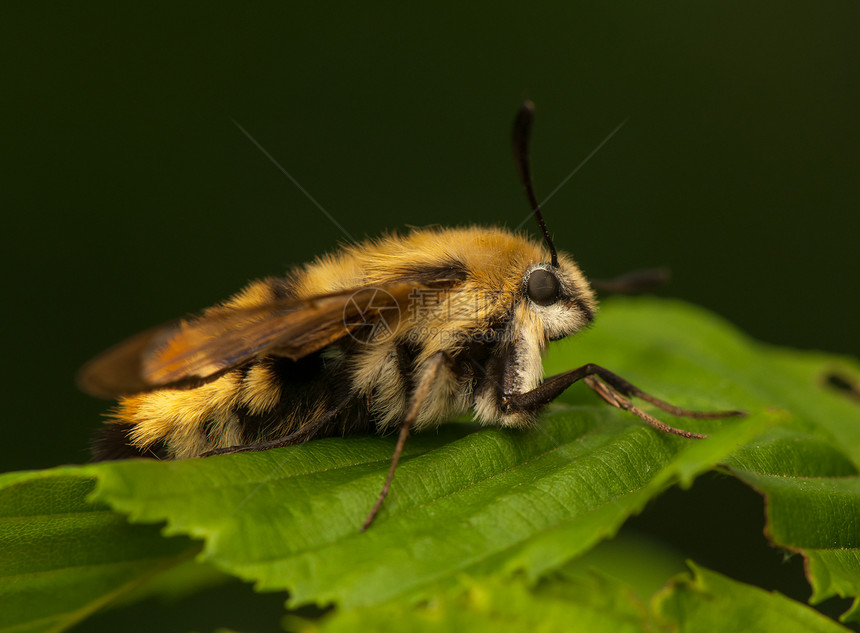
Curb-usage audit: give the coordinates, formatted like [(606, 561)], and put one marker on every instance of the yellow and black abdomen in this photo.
[(268, 399)]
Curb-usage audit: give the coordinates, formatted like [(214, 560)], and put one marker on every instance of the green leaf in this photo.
[(709, 602), (834, 573), (592, 603), (820, 517), (580, 599), (639, 561), (64, 557), (485, 501), (470, 504), (806, 466)]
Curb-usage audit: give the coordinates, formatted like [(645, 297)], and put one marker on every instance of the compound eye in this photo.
[(543, 287)]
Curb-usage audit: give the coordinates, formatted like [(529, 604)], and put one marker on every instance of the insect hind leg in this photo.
[(305, 433)]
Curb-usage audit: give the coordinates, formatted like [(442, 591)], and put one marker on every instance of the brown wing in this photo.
[(190, 352)]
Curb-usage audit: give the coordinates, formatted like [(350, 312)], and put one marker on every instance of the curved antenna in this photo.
[(522, 135)]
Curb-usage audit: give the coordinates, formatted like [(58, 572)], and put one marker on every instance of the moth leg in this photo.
[(617, 400), (305, 433), (612, 389), (422, 390)]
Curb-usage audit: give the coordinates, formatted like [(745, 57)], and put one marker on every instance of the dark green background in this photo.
[(130, 197)]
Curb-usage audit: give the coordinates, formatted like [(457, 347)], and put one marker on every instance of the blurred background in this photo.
[(131, 196)]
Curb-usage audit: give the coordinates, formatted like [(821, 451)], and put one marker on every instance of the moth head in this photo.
[(558, 298), (556, 293)]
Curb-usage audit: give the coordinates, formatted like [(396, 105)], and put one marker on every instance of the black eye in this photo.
[(542, 287)]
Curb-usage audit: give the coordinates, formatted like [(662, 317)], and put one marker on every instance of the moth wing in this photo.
[(190, 352)]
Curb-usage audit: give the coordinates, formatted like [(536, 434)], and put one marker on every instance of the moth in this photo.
[(398, 333)]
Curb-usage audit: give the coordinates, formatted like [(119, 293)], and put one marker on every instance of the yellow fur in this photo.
[(261, 390), (495, 261)]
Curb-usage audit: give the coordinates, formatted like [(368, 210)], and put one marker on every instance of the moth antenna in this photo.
[(522, 136)]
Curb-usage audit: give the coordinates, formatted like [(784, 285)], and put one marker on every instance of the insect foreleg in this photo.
[(611, 388)]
